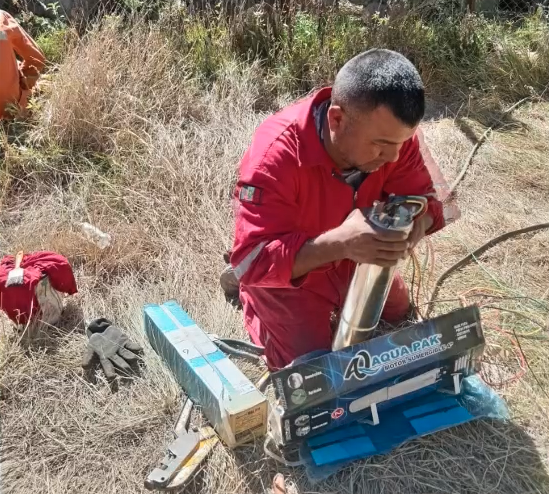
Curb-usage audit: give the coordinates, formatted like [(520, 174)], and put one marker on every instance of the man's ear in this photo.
[(336, 118)]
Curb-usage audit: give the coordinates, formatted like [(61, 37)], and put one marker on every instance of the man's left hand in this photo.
[(421, 225), (27, 82)]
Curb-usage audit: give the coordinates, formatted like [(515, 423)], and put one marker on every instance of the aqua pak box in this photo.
[(234, 406), (358, 382)]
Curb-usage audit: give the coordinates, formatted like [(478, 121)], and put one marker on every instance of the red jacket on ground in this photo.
[(288, 191), (19, 302)]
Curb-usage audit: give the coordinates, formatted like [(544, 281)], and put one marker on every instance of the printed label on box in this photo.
[(250, 419)]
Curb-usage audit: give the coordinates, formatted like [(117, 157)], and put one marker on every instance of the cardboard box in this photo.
[(233, 405), (359, 382)]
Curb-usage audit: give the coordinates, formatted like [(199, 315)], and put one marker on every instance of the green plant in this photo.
[(55, 43), (36, 25)]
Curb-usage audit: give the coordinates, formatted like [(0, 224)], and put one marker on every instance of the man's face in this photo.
[(367, 140)]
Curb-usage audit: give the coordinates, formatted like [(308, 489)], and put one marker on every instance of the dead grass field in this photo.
[(157, 171)]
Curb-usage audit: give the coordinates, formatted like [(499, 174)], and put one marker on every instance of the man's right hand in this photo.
[(354, 239), (363, 244)]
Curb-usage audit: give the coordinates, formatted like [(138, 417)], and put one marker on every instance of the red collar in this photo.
[(311, 151)]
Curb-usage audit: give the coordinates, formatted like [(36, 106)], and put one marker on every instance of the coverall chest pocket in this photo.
[(325, 203)]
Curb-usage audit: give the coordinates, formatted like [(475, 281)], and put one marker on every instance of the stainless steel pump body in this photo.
[(370, 285)]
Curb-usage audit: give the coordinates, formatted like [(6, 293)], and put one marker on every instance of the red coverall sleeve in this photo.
[(411, 177), (267, 238), (33, 59)]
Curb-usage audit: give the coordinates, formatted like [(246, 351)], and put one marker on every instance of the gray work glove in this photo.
[(111, 346)]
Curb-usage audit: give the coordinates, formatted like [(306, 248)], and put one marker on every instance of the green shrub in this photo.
[(456, 53), (55, 44), (299, 49), (36, 25)]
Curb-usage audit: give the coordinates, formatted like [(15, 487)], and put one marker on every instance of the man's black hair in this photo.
[(381, 77)]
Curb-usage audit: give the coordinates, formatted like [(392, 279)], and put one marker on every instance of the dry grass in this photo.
[(155, 169)]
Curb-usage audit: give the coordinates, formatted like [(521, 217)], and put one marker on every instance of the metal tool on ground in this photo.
[(263, 381), (244, 349), (370, 284), (184, 456), (17, 275), (238, 348)]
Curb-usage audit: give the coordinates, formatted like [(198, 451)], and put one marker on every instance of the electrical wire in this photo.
[(476, 253), (457, 299), (541, 327), (523, 361), (423, 268), (519, 354), (431, 270), (481, 290), (524, 364), (534, 375), (416, 269), (521, 358), (412, 283), (277, 457)]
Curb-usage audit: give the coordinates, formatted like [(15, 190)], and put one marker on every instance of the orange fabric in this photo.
[(17, 78)]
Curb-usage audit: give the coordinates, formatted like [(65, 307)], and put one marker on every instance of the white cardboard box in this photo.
[(234, 406)]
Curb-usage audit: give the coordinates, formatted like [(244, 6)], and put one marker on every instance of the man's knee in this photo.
[(397, 307), (285, 343)]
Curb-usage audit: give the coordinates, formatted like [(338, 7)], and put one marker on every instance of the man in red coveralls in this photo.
[(17, 78), (303, 183)]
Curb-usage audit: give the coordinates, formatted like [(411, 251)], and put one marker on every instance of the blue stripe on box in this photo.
[(346, 450), (161, 319), (430, 407), (182, 317), (335, 436), (211, 358), (437, 421)]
